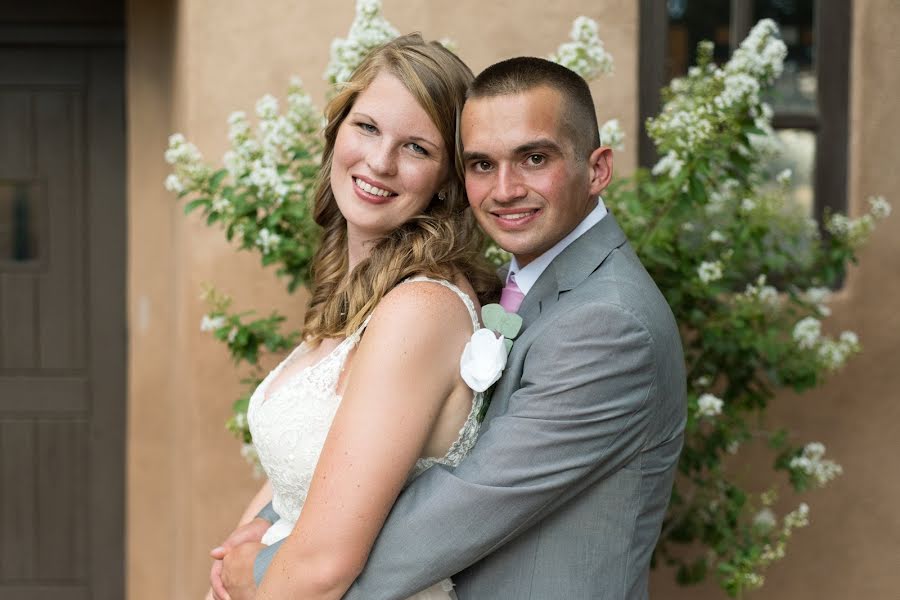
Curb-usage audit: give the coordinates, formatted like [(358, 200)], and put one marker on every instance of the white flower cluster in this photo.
[(834, 353), (761, 292), (761, 55), (808, 332), (369, 30), (497, 255), (880, 208), (209, 323), (704, 101), (267, 241), (831, 353), (798, 517), (709, 406), (709, 271), (611, 135), (188, 163), (585, 53), (717, 237), (811, 462), (856, 231), (784, 177), (765, 519), (818, 296), (669, 165), (255, 159)]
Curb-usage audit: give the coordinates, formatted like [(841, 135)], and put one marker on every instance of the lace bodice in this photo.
[(289, 426)]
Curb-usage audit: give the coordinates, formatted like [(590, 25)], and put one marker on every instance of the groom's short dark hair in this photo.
[(525, 73)]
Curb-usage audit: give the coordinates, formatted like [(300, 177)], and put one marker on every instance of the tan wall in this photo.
[(192, 62)]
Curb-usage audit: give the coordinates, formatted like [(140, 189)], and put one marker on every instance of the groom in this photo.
[(564, 494)]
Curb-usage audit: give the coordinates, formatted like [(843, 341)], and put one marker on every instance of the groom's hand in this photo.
[(249, 532), (237, 571)]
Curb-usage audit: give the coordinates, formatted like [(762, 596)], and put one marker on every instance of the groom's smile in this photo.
[(526, 186)]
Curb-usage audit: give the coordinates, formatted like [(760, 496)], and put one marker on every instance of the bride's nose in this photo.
[(382, 159)]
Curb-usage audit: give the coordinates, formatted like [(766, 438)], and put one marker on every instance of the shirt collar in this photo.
[(528, 275)]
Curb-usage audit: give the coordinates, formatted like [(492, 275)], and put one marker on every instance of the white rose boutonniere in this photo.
[(483, 360), (484, 357)]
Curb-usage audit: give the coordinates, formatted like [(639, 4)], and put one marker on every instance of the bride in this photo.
[(373, 396)]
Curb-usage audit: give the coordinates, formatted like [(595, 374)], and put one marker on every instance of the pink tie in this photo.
[(511, 296)]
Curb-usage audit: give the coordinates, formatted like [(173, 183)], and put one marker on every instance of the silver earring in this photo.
[(442, 195)]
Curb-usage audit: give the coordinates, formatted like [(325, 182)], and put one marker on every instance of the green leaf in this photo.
[(497, 319), (216, 179), (193, 204)]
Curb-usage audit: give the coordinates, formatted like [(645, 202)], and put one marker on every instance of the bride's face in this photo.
[(389, 160)]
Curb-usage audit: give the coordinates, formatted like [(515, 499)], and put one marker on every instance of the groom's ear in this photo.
[(600, 164)]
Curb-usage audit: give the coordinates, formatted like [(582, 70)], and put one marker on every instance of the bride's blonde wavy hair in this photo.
[(444, 241)]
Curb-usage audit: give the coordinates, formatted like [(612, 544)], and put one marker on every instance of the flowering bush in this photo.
[(746, 273)]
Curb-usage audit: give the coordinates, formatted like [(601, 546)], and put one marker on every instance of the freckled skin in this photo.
[(518, 159)]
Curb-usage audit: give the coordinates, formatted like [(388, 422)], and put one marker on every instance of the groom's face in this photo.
[(527, 187)]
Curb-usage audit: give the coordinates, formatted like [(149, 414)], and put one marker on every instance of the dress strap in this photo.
[(470, 306)]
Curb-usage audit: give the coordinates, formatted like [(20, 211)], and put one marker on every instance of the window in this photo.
[(20, 224), (810, 100)]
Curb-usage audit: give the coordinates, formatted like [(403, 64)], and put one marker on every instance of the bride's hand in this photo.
[(249, 532)]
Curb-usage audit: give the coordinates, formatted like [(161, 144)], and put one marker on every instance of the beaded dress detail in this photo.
[(290, 425)]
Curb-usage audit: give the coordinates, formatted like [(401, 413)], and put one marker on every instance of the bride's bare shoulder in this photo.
[(423, 303)]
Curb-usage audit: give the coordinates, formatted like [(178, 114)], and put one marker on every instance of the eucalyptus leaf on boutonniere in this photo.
[(484, 357)]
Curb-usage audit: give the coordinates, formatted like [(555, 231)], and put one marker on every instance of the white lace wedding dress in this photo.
[(289, 428)]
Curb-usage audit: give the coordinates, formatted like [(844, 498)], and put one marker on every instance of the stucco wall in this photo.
[(192, 62)]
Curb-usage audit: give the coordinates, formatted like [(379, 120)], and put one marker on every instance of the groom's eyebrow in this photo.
[(467, 156), (538, 145)]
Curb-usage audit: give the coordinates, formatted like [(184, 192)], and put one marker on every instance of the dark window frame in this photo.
[(832, 64)]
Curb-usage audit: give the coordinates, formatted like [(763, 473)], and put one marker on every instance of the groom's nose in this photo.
[(509, 185)]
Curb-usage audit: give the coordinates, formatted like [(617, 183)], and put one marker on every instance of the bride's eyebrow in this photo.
[(360, 115)]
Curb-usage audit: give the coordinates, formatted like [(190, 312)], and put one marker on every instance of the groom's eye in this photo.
[(536, 159), (481, 166)]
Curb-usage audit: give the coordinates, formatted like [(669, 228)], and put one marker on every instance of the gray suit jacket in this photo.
[(564, 494)]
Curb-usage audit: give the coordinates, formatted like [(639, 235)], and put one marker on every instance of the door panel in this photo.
[(62, 323)]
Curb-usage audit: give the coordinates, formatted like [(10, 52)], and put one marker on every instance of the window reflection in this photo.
[(690, 22), (798, 153), (19, 222)]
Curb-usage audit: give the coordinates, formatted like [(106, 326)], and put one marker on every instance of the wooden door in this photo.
[(62, 321)]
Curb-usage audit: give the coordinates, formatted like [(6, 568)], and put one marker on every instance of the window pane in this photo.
[(795, 90), (18, 223), (690, 22), (798, 153)]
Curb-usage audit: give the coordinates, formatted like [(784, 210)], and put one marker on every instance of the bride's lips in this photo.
[(512, 219), (372, 191)]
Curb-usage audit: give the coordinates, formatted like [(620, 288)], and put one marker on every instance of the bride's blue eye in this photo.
[(417, 148), (367, 127)]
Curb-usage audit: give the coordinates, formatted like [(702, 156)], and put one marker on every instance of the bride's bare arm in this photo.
[(262, 497), (405, 368)]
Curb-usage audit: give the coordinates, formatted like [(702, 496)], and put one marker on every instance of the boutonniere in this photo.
[(484, 357)]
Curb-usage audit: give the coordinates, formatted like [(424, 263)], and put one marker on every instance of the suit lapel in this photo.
[(573, 265)]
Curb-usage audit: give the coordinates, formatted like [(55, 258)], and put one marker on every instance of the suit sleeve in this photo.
[(267, 513), (580, 413)]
